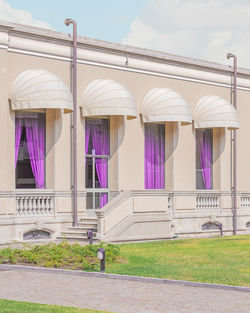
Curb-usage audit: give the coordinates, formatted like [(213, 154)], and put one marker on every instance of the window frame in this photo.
[(95, 190), (164, 149), (198, 170), (22, 114)]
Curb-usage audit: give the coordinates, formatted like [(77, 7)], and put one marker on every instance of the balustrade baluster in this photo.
[(46, 206), (25, 205), (52, 204), (18, 205), (42, 206), (29, 205), (38, 209)]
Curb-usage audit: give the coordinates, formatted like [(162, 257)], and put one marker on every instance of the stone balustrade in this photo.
[(245, 201), (208, 202), (30, 204)]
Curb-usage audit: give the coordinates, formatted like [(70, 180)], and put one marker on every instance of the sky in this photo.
[(200, 29)]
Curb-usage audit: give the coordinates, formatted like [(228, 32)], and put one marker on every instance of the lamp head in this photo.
[(230, 55), (100, 254), (68, 21)]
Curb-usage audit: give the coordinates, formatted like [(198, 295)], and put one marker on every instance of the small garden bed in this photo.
[(62, 255)]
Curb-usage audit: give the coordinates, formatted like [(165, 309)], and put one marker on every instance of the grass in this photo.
[(7, 306), (216, 260)]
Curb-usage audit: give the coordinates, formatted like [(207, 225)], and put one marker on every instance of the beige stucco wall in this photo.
[(127, 136), (131, 138)]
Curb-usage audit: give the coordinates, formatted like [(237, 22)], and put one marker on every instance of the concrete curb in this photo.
[(6, 267)]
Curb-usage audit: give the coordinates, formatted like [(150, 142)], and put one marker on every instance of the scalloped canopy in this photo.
[(213, 111), (40, 89), (165, 105), (107, 97)]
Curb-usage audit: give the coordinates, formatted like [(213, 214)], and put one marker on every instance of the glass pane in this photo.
[(101, 198), (101, 173), (89, 200), (204, 159), (97, 136), (89, 172)]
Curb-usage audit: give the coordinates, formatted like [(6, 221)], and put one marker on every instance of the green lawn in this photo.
[(216, 260), (7, 306)]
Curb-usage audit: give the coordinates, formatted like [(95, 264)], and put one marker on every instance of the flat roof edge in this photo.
[(159, 56)]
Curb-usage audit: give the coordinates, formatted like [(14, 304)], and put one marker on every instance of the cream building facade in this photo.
[(126, 93)]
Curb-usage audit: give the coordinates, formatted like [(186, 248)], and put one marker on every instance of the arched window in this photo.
[(210, 226)]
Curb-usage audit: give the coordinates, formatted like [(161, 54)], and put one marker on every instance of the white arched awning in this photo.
[(213, 111), (165, 105), (107, 97), (39, 89)]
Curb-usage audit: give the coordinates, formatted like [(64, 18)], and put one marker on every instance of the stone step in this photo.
[(89, 218), (88, 224), (76, 239), (78, 233), (83, 228)]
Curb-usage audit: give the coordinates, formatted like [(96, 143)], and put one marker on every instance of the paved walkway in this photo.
[(118, 295)]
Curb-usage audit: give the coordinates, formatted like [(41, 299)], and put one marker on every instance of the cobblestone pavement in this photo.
[(118, 295)]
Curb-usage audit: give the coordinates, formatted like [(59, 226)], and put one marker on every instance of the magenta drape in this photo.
[(154, 156), (35, 132), (18, 133), (205, 153), (99, 134)]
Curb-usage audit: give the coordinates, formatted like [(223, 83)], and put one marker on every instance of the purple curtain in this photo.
[(99, 135), (35, 131), (205, 152), (18, 133), (154, 156)]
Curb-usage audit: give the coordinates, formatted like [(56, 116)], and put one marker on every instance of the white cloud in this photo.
[(194, 28), (19, 16)]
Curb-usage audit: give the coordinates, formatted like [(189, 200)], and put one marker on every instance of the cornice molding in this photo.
[(46, 43)]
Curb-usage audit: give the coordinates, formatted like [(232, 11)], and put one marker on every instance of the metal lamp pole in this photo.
[(230, 55), (67, 22)]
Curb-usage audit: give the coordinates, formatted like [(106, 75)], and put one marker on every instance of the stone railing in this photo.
[(29, 203), (245, 201), (208, 202)]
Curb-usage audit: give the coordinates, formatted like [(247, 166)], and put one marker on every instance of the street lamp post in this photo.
[(230, 55), (67, 22)]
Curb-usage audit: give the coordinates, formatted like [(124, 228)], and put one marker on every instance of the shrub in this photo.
[(62, 255)]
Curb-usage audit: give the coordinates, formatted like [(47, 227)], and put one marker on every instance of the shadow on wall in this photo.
[(53, 128), (54, 118), (221, 133)]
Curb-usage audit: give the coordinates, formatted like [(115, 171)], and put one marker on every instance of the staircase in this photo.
[(79, 232)]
